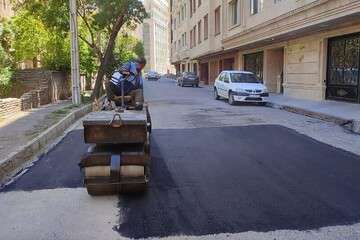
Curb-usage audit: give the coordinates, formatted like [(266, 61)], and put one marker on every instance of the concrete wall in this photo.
[(273, 69), (302, 69)]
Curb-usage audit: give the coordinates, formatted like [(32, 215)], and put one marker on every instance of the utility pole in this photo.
[(75, 71)]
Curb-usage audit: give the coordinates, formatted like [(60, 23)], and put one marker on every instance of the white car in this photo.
[(240, 86)]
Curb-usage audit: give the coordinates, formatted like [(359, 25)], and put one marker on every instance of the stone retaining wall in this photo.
[(9, 106), (40, 87), (57, 83)]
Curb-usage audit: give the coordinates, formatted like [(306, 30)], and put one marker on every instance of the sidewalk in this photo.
[(335, 111), (18, 129)]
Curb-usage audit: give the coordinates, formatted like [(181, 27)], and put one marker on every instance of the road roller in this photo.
[(118, 157)]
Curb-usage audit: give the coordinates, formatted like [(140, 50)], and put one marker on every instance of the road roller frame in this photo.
[(118, 159)]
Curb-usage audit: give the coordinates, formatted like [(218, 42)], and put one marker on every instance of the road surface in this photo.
[(218, 171)]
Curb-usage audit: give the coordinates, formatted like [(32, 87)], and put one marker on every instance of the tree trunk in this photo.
[(106, 60)]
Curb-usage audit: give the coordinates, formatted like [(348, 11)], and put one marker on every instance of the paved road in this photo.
[(218, 171)]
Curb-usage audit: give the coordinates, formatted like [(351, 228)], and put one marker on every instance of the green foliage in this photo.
[(5, 60), (31, 36), (6, 41), (127, 48), (139, 49), (57, 53), (5, 75)]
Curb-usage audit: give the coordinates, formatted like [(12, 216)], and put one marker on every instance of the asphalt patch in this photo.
[(238, 179), (56, 169)]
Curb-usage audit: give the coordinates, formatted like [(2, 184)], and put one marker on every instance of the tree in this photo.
[(127, 48), (30, 39), (101, 21), (109, 16), (6, 58)]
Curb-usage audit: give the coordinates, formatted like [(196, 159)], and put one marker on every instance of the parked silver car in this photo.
[(152, 75), (188, 79)]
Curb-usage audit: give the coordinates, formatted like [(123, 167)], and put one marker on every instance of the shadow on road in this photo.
[(237, 179)]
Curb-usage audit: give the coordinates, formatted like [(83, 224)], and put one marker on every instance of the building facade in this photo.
[(156, 37), (6, 9), (306, 49)]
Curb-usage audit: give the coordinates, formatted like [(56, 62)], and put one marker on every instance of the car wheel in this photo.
[(216, 95), (262, 104), (231, 99)]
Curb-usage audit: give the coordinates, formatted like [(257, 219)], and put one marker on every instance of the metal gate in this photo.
[(343, 68)]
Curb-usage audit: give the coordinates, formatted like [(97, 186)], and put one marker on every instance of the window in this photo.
[(226, 78), (206, 27), (217, 20), (221, 77), (233, 12), (194, 32), (199, 32), (191, 38), (256, 6), (191, 8), (185, 10), (183, 13)]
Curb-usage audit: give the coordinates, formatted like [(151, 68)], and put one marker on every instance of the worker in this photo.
[(130, 75)]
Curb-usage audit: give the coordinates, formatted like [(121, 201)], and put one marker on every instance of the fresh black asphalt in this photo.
[(236, 179), (228, 179), (57, 169)]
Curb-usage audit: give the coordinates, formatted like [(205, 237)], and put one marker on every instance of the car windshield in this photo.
[(191, 74), (244, 78)]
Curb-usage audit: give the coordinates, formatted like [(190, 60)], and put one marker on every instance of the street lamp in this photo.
[(75, 71)]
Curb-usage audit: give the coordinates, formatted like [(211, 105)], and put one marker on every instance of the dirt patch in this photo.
[(50, 120)]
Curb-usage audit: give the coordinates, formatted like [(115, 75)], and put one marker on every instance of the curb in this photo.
[(13, 163), (353, 125)]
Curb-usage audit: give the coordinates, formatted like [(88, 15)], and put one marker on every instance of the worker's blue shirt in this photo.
[(132, 81)]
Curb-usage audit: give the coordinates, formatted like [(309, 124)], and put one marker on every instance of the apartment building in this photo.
[(156, 37), (306, 48), (5, 9)]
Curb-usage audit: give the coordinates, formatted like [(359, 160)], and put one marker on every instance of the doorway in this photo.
[(204, 73), (229, 64), (254, 63), (195, 68), (274, 70), (343, 68)]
